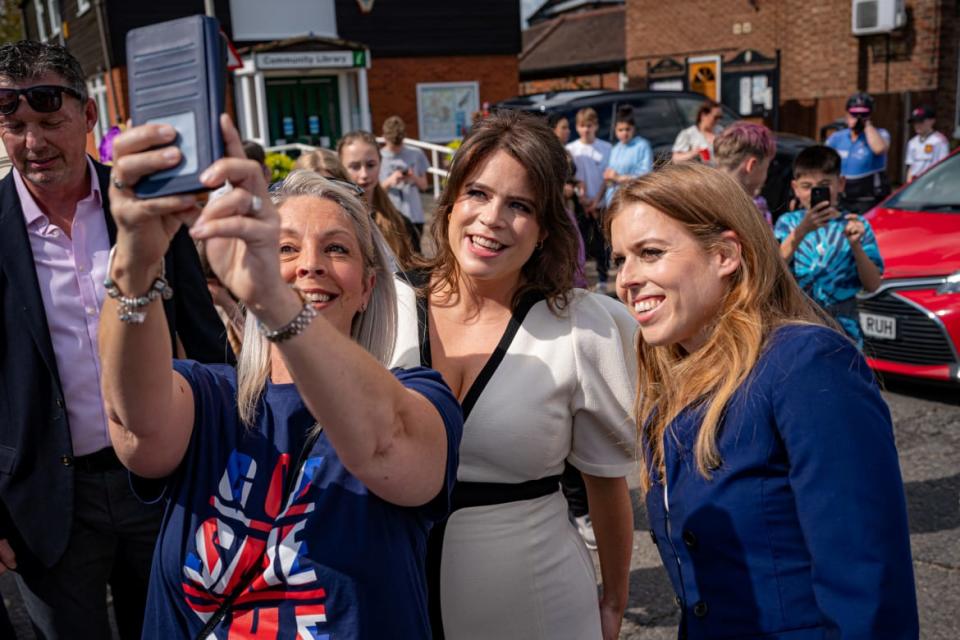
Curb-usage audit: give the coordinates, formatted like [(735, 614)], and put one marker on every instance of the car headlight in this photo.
[(952, 284)]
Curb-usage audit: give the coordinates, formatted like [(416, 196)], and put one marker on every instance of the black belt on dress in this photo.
[(482, 494), (474, 494)]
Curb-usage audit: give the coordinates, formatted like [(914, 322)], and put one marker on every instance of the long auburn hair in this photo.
[(762, 296), (388, 219), (530, 141)]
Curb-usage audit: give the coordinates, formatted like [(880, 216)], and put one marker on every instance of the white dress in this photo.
[(563, 391)]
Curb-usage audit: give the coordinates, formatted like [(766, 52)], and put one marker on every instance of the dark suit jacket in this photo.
[(36, 472)]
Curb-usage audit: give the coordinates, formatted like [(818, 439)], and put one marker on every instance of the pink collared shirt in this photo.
[(71, 273)]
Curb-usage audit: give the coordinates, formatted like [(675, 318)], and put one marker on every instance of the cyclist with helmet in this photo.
[(863, 153)]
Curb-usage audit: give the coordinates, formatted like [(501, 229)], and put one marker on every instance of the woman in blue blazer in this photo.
[(771, 475)]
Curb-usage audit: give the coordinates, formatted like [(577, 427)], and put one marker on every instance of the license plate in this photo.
[(878, 326)]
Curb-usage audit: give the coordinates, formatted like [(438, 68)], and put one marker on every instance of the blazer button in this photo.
[(678, 601), (653, 536), (689, 539), (60, 402), (66, 461), (700, 609)]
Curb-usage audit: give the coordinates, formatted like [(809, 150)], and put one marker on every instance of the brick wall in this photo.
[(822, 62), (594, 81), (820, 56), (393, 82)]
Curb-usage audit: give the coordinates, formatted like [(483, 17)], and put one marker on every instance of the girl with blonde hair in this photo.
[(768, 460)]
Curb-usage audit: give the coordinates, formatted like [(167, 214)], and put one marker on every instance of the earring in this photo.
[(363, 307), (539, 245)]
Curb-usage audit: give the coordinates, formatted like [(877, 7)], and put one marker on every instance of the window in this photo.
[(97, 89), (41, 19), (53, 10), (82, 7)]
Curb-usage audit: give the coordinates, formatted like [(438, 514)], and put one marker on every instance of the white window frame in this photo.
[(82, 7), (53, 11), (39, 6), (97, 89)]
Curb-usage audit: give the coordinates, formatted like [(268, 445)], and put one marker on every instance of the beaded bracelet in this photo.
[(132, 309), (293, 328)]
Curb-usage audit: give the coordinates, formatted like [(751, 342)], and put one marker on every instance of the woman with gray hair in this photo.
[(295, 504)]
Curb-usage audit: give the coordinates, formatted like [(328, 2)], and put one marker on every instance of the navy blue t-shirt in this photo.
[(340, 562)]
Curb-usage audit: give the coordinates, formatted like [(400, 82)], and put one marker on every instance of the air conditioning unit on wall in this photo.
[(877, 16)]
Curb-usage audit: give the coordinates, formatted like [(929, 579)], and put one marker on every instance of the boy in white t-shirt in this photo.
[(926, 148), (591, 157)]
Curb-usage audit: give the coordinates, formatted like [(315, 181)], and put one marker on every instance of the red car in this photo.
[(911, 324)]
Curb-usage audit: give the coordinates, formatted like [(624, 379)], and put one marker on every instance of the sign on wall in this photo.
[(703, 76), (444, 109), (311, 60)]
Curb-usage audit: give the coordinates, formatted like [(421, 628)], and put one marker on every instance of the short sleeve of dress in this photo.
[(430, 385), (683, 141), (604, 429)]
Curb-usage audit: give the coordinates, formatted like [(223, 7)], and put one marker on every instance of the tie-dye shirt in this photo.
[(825, 267)]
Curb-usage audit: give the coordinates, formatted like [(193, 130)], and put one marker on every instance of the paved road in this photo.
[(927, 424)]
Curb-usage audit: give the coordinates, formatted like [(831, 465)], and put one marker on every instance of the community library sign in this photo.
[(311, 59)]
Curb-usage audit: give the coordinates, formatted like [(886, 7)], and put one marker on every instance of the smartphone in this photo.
[(818, 195), (177, 75)]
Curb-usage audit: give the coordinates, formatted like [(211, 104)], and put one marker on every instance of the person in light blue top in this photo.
[(630, 157), (832, 254), (863, 151)]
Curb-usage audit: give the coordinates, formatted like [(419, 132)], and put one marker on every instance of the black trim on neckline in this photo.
[(486, 373)]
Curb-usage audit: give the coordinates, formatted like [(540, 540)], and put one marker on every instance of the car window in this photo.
[(936, 190), (688, 110), (655, 118)]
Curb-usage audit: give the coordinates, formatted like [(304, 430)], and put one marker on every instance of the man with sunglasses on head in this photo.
[(68, 516)]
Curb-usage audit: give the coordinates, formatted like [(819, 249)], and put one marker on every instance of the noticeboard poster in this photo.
[(444, 109)]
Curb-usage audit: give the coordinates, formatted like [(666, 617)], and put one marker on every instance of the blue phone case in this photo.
[(177, 74)]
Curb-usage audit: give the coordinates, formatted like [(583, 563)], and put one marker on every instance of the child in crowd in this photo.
[(832, 254), (591, 158), (630, 157), (929, 146), (744, 150)]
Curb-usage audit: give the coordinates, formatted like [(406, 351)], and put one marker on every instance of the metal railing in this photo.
[(433, 151)]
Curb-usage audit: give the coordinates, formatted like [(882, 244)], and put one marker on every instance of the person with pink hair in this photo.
[(744, 150)]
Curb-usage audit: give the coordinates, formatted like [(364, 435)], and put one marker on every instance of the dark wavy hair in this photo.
[(530, 141), (28, 60)]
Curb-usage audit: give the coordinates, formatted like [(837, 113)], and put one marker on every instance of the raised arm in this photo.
[(391, 438), (149, 407)]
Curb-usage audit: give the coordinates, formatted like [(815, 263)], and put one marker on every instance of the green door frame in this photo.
[(304, 110)]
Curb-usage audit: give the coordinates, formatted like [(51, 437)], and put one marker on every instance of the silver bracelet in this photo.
[(132, 309), (293, 328)]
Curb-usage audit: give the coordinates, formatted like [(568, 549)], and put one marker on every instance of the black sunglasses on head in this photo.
[(43, 98)]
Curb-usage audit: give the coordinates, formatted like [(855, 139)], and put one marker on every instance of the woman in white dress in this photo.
[(696, 141), (545, 373)]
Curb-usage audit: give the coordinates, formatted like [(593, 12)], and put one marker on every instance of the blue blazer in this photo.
[(36, 472), (801, 533)]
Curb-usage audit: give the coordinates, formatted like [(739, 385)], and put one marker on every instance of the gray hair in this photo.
[(374, 328), (28, 60)]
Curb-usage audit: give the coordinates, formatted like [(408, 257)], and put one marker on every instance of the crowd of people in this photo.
[(374, 440)]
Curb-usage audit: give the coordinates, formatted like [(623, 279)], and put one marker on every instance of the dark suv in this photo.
[(660, 116)]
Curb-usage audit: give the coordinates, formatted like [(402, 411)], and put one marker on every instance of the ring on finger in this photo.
[(117, 182), (255, 205)]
